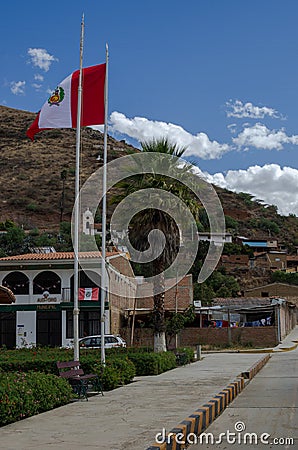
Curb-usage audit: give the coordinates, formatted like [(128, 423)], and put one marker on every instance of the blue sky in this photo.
[(220, 76)]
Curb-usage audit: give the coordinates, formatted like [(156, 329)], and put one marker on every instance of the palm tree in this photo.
[(157, 219)]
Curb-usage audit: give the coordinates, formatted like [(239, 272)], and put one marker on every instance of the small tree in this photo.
[(177, 321)]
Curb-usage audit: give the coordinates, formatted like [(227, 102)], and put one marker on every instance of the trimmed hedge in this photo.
[(184, 356), (26, 394), (118, 371), (153, 363)]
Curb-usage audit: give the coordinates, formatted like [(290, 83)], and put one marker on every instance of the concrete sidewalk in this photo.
[(129, 417), (290, 342)]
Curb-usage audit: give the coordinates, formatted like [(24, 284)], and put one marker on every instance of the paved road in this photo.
[(269, 404), (128, 418)]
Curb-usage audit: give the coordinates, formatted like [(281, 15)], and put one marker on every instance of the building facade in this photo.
[(43, 287)]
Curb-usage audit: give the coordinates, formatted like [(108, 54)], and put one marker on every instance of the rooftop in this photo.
[(56, 256)]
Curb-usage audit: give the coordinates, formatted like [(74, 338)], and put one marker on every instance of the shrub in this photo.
[(25, 394), (125, 368), (118, 371), (153, 363)]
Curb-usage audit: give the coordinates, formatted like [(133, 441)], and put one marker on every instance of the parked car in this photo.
[(95, 341)]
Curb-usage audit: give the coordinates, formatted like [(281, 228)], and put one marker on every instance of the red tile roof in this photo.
[(55, 256)]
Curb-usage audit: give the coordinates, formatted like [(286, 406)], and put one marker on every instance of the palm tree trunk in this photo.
[(159, 314)]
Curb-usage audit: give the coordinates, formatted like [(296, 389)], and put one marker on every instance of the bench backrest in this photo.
[(69, 369)]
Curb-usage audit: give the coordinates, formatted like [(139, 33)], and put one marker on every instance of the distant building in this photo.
[(258, 245), (271, 260), (292, 263), (216, 238), (89, 227), (288, 291), (234, 262)]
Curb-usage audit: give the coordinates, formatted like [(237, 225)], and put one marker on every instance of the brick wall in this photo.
[(190, 337), (122, 291), (257, 336), (182, 294)]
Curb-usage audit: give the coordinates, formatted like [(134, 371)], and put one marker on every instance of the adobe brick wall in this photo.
[(122, 265), (256, 336), (190, 337), (181, 293)]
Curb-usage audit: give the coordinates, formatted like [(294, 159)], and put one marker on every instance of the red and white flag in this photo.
[(88, 293), (60, 110)]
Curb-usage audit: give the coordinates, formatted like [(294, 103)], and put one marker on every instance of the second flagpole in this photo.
[(104, 287), (76, 310)]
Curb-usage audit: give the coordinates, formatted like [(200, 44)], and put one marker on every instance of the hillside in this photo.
[(31, 183)]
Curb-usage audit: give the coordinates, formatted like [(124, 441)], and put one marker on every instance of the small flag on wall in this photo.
[(88, 293)]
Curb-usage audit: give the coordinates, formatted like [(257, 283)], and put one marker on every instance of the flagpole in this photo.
[(76, 310), (104, 288)]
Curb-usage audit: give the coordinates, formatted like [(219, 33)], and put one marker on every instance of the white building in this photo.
[(42, 284)]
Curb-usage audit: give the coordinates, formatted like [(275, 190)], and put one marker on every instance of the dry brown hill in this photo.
[(31, 184)]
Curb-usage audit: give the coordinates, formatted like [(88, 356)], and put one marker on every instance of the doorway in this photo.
[(49, 328)]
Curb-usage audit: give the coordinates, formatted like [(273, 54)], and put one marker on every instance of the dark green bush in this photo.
[(25, 394), (184, 356), (125, 368), (118, 371), (153, 363)]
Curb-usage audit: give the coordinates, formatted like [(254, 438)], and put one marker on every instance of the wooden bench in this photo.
[(79, 381)]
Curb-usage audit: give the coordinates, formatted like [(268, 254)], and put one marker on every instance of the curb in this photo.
[(287, 349), (253, 370), (182, 435)]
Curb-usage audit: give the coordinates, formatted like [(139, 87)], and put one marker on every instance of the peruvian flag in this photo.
[(88, 293), (60, 110)]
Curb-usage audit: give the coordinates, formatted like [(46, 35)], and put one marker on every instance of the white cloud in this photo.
[(36, 86), (18, 87), (38, 77), (259, 136), (240, 110), (232, 128), (142, 129), (39, 57), (271, 183)]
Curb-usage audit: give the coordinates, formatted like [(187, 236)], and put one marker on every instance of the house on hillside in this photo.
[(258, 245), (271, 260), (292, 263), (215, 238), (284, 290), (234, 262), (40, 288)]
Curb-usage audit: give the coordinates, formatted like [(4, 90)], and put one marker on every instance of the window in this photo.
[(47, 281), (89, 323), (110, 340), (17, 282)]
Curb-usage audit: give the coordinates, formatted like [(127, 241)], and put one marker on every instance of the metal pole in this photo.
[(133, 321), (176, 308), (229, 328), (76, 310), (104, 218)]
